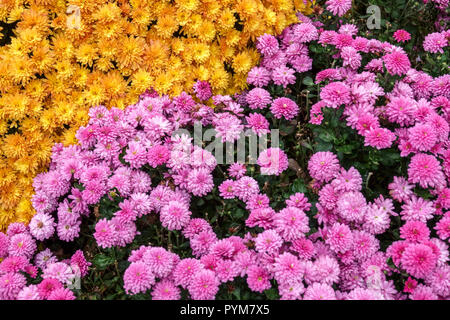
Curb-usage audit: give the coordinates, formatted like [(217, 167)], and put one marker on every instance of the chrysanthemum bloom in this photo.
[(200, 182), (418, 260), (185, 271), (246, 187), (79, 261), (364, 294), (379, 138), (195, 226), (42, 226), (326, 270), (14, 264), (422, 137), (323, 166), (68, 231), (257, 201), (237, 170), (414, 231), (319, 291), (410, 285), (401, 35), (426, 170), (335, 94), (376, 219), (396, 63), (288, 269), (10, 285), (138, 278), (351, 57), (160, 261), (339, 7), (258, 123), (291, 223), (157, 155), (60, 271), (262, 218), (422, 292), (400, 190), (273, 161), (258, 279), (443, 227), (284, 108), (228, 126), (352, 206), (204, 285), (267, 44), (258, 98), (226, 189), (268, 241), (347, 180), (258, 76), (16, 228), (365, 245), (105, 234), (339, 238), (30, 292), (61, 294), (175, 215), (201, 242), (22, 244), (401, 110), (417, 209), (439, 280), (305, 32), (47, 286), (202, 90), (435, 42), (165, 290), (299, 201)]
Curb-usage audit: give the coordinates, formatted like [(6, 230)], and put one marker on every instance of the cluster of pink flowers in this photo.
[(29, 274)]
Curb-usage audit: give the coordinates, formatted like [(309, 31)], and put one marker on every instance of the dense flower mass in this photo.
[(66, 57), (198, 192)]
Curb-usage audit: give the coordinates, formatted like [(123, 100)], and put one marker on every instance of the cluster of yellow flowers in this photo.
[(66, 56)]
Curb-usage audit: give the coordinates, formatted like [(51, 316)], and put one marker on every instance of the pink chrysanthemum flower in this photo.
[(352, 206), (364, 294), (439, 280), (347, 180), (185, 271), (414, 231), (201, 242), (79, 261), (410, 285), (258, 123), (400, 189), (299, 201), (417, 208), (422, 137), (319, 291), (351, 57), (204, 285), (138, 278), (246, 187), (339, 238), (401, 35), (258, 201), (284, 108), (323, 166), (397, 63), (288, 269), (262, 218), (158, 155), (160, 261), (202, 90), (258, 76), (42, 226), (422, 292), (273, 161), (326, 270), (175, 215), (304, 248), (47, 286), (195, 226), (401, 110), (258, 278), (237, 170), (16, 228), (59, 271), (165, 290), (291, 223), (105, 234), (339, 7), (418, 260), (376, 219), (61, 294), (30, 292), (426, 170), (226, 189), (435, 42), (335, 94), (10, 285), (14, 264), (379, 138), (443, 227), (268, 241), (267, 44), (258, 98), (22, 244), (200, 182), (365, 245)]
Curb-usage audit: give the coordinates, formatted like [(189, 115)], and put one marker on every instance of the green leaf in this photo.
[(102, 261), (308, 81)]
